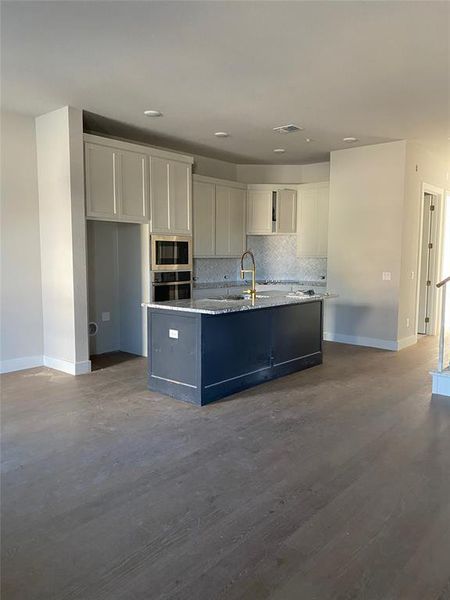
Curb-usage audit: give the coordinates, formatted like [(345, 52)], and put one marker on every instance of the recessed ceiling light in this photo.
[(279, 150), (308, 140), (349, 140), (153, 113), (221, 134)]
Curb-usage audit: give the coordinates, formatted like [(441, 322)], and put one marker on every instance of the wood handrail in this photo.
[(443, 282)]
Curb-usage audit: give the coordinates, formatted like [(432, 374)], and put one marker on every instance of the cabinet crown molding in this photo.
[(227, 182), (140, 148)]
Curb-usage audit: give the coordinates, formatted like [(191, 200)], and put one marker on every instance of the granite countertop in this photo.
[(219, 306), (241, 283)]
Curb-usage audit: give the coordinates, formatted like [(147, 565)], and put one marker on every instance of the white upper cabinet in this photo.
[(219, 217), (170, 196), (230, 218), (102, 191), (286, 211), (236, 215), (160, 207), (312, 222), (259, 212), (138, 184), (271, 210), (204, 214), (180, 197), (134, 187)]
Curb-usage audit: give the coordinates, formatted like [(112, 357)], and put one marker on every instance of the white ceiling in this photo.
[(374, 70)]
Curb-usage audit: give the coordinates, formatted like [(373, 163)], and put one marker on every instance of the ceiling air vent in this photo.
[(288, 128)]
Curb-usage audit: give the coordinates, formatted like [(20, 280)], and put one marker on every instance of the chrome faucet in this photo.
[(252, 290)]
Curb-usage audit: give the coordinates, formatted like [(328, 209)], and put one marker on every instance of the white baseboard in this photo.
[(441, 383), (79, 368), (370, 342), (405, 342), (18, 364)]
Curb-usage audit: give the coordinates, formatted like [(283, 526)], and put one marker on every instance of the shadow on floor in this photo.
[(110, 359)]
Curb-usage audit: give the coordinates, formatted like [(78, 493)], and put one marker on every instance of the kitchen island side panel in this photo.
[(174, 354)]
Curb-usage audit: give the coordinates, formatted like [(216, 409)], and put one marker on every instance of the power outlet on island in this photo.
[(106, 316)]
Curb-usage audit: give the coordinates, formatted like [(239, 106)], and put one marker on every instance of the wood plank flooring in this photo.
[(328, 484)]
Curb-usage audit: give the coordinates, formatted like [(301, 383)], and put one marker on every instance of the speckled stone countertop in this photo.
[(240, 283), (223, 305)]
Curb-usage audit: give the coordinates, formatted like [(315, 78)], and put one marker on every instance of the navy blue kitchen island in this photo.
[(203, 350)]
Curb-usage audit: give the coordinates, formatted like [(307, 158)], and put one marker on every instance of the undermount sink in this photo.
[(228, 298), (236, 297)]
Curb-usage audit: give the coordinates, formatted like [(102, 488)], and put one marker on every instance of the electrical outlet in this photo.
[(386, 276), (106, 316), (173, 333)]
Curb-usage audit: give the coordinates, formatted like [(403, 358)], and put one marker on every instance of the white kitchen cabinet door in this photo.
[(134, 187), (312, 223), (180, 197), (159, 196), (204, 215), (286, 211), (323, 201), (236, 243), (222, 224), (230, 217), (259, 212), (102, 189)]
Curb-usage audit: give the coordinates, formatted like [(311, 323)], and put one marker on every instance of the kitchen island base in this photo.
[(200, 358)]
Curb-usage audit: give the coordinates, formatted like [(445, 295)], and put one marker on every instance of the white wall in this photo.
[(365, 226), (21, 337), (312, 173), (59, 138), (422, 167)]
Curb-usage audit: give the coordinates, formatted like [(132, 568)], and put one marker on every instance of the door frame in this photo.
[(427, 188)]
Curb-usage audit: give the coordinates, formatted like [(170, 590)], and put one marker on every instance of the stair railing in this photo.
[(442, 284)]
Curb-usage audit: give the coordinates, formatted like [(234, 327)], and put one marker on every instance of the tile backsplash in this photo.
[(276, 258), (210, 270)]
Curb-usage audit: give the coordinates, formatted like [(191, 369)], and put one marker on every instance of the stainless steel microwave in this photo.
[(170, 253)]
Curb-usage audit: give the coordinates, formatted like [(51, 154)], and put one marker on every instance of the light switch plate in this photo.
[(106, 316), (173, 333)]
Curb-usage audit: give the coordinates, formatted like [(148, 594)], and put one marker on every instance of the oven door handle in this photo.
[(173, 283)]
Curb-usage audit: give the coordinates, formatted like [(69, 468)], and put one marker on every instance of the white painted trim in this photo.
[(441, 383), (405, 342), (19, 364), (139, 148), (393, 345), (360, 341), (216, 180), (79, 368), (312, 186)]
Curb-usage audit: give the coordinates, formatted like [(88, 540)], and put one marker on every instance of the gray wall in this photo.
[(21, 293)]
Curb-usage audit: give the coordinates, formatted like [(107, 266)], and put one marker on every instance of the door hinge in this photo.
[(428, 283), (430, 245), (427, 319), (431, 207)]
